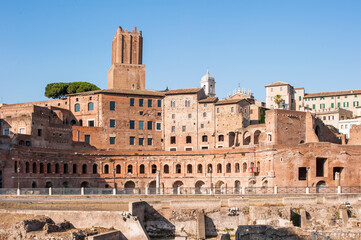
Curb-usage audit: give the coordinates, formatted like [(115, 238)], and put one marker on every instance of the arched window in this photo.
[(199, 168), (172, 103), (34, 167), (228, 168), (219, 168), (236, 168), (84, 169), (106, 169), (27, 167), (154, 168), (166, 169), (188, 139), (258, 166), (57, 168), (48, 168), (178, 168), (90, 106), (220, 138), (118, 169), (95, 168), (244, 167), (141, 169), (75, 168), (77, 107), (204, 138), (130, 168), (209, 168), (189, 168), (41, 168), (66, 170)]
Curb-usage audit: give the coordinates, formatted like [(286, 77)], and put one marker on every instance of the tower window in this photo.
[(112, 105)]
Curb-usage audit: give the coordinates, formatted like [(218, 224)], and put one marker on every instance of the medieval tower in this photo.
[(127, 70)]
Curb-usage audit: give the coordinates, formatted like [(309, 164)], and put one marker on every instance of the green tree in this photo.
[(278, 99), (59, 90)]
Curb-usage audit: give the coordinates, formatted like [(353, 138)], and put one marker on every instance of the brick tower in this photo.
[(127, 70)]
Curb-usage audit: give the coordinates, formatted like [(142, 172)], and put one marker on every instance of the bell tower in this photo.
[(127, 70), (208, 84)]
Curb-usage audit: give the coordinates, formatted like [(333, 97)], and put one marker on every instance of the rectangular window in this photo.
[(302, 173), (217, 110), (338, 97), (300, 98), (345, 104), (91, 123), (299, 107), (159, 126), (87, 139), (150, 141), (150, 102), (131, 140), (202, 125), (346, 96), (313, 106), (183, 128), (355, 95), (140, 102), (322, 106), (150, 125), (320, 167), (332, 97), (355, 104), (338, 105), (141, 141), (131, 124), (112, 106), (112, 123), (189, 115), (332, 105), (159, 103), (111, 140), (173, 128), (141, 125), (281, 89), (39, 132), (271, 89), (132, 102), (6, 131), (172, 140)]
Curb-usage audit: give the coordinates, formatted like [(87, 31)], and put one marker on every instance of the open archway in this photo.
[(219, 187), (152, 186), (200, 188), (246, 138), (256, 137), (176, 185), (320, 187)]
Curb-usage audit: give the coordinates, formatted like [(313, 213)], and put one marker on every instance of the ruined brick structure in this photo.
[(121, 136)]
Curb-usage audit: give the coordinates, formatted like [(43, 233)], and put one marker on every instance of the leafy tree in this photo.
[(59, 90), (278, 99)]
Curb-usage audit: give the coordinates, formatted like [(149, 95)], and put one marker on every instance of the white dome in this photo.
[(207, 77)]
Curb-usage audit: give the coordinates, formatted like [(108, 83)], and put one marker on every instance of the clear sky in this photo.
[(314, 44)]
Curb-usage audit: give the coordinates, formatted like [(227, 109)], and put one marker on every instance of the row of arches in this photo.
[(117, 169), (246, 138)]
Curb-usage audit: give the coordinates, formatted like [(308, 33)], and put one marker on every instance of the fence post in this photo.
[(178, 190), (339, 190), (307, 190), (50, 191), (243, 190), (275, 189), (114, 191), (18, 192), (146, 191), (82, 191)]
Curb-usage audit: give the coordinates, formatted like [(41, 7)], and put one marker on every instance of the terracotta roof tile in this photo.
[(183, 91), (208, 100), (335, 93), (230, 101), (122, 91), (277, 84)]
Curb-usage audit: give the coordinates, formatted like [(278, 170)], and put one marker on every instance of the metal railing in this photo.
[(336, 235), (180, 190)]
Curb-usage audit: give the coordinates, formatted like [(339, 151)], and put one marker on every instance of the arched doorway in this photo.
[(320, 187), (200, 188), (152, 186), (265, 186), (219, 187), (231, 138), (237, 187), (176, 185), (256, 136), (246, 138), (129, 187), (48, 185)]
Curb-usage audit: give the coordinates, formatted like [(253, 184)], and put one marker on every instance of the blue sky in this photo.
[(315, 44)]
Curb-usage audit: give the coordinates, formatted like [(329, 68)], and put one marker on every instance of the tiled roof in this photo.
[(229, 101), (276, 84), (208, 100), (122, 91), (336, 93), (183, 91)]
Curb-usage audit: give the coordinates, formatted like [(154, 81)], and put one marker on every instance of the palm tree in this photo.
[(278, 99)]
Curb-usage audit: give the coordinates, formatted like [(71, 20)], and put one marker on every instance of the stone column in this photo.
[(158, 182)]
